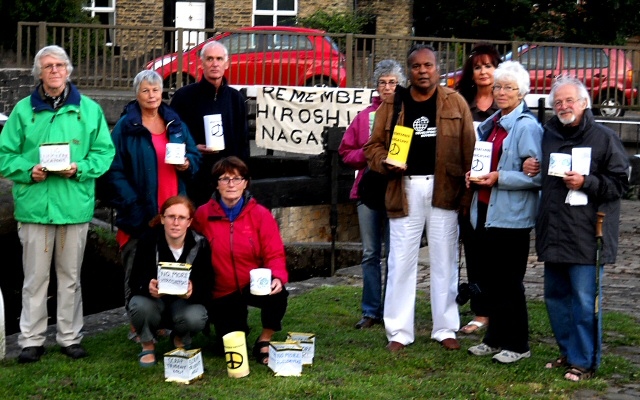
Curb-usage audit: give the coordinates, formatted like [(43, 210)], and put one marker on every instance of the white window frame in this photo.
[(275, 13), (90, 7)]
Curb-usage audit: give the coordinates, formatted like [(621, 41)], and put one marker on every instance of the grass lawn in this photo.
[(348, 364)]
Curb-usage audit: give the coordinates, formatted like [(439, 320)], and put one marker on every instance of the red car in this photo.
[(265, 55), (607, 73)]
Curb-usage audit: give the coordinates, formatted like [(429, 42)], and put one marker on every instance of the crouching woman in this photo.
[(170, 240), (243, 236)]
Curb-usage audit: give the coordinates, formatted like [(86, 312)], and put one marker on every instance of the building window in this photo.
[(105, 12), (275, 12)]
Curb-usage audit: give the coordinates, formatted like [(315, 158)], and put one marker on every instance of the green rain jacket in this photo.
[(33, 122)]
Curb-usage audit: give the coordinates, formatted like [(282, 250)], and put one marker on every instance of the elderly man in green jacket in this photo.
[(53, 195)]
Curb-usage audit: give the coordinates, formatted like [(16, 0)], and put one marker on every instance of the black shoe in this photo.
[(30, 354), (367, 322), (74, 351)]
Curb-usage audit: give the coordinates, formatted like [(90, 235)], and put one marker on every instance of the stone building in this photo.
[(392, 17)]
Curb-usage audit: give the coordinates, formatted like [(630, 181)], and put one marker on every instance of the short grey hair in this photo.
[(388, 67), (147, 75), (54, 51), (513, 71), (212, 44), (564, 80)]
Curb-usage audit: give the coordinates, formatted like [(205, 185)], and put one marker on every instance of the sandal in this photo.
[(147, 364), (576, 374), (261, 358), (472, 327), (560, 362)]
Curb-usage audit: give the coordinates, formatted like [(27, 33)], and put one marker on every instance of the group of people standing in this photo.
[(493, 214), (198, 211)]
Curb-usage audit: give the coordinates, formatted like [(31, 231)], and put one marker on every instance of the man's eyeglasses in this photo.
[(391, 84), (50, 67), (507, 89), (567, 102), (226, 181), (180, 218)]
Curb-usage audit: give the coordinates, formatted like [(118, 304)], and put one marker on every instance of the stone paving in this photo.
[(621, 292)]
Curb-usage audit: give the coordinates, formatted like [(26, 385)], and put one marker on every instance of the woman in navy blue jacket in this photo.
[(139, 179)]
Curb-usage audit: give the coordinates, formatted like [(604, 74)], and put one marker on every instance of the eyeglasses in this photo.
[(227, 181), (180, 218), (507, 89), (390, 84), (567, 102), (49, 67)]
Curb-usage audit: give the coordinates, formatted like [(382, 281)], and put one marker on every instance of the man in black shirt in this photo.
[(428, 191)]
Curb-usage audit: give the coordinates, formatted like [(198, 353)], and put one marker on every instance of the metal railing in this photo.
[(109, 56)]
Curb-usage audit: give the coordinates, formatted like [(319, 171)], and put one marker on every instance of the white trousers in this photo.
[(41, 244), (405, 234)]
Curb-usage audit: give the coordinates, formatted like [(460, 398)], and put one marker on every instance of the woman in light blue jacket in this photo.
[(503, 211)]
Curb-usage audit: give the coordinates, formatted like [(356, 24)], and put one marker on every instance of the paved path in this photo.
[(621, 283), (621, 287)]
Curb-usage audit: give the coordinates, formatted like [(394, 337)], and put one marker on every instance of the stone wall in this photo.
[(15, 84), (143, 13), (306, 8), (312, 224), (393, 17), (232, 14)]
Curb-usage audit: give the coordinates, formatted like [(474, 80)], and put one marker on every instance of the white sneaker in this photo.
[(508, 357), (482, 350)]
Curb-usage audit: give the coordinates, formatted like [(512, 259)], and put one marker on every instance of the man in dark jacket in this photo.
[(566, 224), (212, 96)]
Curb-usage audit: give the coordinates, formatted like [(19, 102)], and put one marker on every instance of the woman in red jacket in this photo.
[(243, 236)]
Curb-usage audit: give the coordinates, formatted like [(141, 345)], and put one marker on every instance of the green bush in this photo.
[(338, 22), (35, 11)]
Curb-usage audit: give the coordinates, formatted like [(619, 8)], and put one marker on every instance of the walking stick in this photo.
[(3, 346), (596, 308)]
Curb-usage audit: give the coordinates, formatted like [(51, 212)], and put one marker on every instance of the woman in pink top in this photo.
[(374, 229)]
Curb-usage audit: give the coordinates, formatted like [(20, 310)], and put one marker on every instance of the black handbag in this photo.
[(372, 189)]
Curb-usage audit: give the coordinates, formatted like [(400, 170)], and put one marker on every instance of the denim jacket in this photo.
[(514, 198)]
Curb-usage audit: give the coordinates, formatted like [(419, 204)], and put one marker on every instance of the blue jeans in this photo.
[(569, 293), (374, 231)]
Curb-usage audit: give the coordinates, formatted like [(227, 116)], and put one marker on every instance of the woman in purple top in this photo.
[(374, 229)]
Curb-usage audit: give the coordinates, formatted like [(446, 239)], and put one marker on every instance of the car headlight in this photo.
[(164, 61)]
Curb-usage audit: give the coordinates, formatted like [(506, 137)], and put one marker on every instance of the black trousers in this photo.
[(506, 252), (473, 254), (229, 313)]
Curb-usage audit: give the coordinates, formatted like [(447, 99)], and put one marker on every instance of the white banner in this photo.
[(292, 118)]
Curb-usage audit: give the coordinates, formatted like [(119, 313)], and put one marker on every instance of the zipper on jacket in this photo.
[(233, 260)]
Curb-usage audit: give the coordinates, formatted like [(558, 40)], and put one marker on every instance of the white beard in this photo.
[(567, 120)]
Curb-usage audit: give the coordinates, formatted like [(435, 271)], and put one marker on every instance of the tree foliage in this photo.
[(15, 11), (587, 21), (338, 22)]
